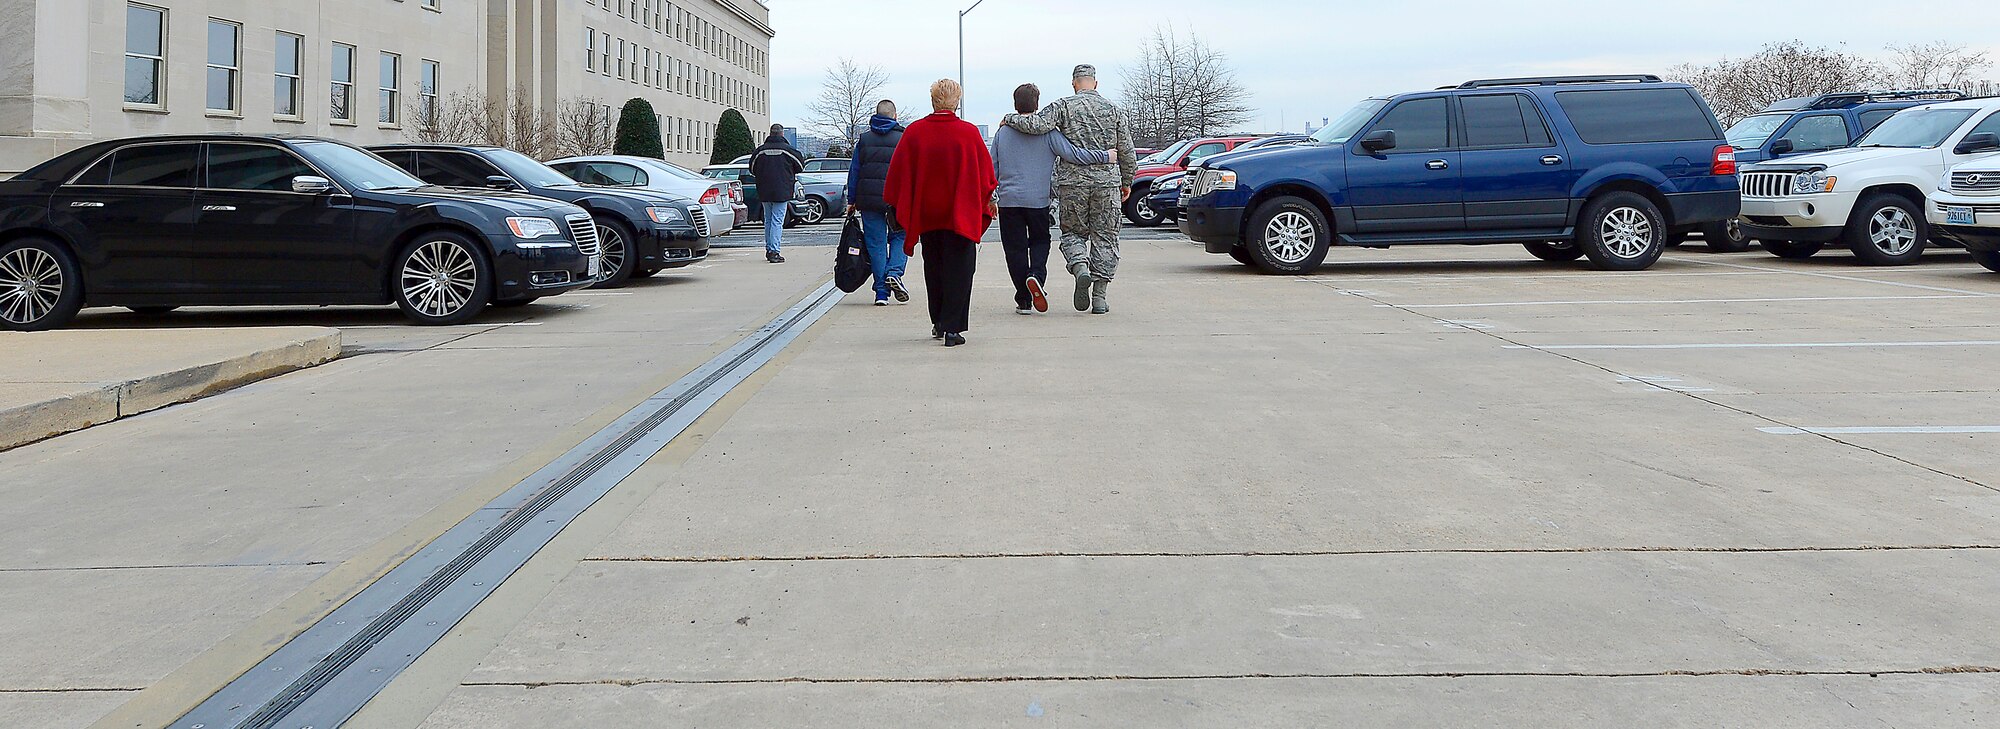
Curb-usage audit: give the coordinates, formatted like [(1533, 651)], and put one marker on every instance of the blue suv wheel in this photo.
[(1289, 235)]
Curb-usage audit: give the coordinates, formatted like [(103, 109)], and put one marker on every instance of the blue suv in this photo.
[(1819, 123), (1610, 167)]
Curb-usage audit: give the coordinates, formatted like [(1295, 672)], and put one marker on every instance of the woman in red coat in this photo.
[(941, 184)]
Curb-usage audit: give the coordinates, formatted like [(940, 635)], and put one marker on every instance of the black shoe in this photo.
[(895, 284), (952, 339), (937, 333), (774, 258)]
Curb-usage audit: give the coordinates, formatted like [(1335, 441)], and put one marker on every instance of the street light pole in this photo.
[(961, 54)]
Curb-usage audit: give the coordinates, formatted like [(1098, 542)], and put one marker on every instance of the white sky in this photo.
[(1307, 59)]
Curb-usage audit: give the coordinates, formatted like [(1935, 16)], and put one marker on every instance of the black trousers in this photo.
[(949, 260), (1024, 234)]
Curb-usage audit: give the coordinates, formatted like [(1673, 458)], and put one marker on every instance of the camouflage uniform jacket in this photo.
[(1091, 122)]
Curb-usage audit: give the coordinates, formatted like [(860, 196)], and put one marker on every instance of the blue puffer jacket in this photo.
[(868, 174)]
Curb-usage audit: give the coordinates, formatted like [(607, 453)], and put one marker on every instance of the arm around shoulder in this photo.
[(1059, 144)]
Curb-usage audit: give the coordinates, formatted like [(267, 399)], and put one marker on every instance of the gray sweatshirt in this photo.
[(1026, 165)]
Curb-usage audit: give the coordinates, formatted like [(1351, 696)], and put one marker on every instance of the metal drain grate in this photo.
[(388, 625)]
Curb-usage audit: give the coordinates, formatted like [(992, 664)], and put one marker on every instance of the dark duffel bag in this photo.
[(851, 268)]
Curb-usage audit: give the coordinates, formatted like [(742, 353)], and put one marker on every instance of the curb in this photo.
[(84, 405)]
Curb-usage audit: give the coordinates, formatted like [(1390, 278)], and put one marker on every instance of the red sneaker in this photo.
[(1035, 292)]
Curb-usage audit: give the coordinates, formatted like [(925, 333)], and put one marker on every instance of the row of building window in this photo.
[(686, 135), (647, 67), (662, 16), (146, 29)]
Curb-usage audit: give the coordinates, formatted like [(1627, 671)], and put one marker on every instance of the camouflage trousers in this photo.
[(1090, 228)]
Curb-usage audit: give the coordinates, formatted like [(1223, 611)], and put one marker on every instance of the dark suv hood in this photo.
[(1256, 153)]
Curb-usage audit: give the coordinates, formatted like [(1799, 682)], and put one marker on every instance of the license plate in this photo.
[(596, 265), (1960, 216)]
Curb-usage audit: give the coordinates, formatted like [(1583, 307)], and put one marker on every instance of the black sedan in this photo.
[(154, 223), (642, 231)]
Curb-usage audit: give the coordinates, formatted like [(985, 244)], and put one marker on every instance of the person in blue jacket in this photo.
[(867, 175)]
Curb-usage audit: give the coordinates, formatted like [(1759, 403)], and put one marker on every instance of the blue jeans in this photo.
[(885, 250), (774, 225)]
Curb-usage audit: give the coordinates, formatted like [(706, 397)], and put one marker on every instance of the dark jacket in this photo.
[(868, 174), (776, 166)]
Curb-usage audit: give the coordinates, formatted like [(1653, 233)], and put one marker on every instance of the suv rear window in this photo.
[(1633, 116)]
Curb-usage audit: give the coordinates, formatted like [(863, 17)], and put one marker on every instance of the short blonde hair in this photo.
[(945, 95)]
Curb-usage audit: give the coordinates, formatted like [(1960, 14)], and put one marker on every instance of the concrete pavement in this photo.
[(1408, 490), (63, 381)]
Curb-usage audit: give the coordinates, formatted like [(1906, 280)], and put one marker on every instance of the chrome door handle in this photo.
[(218, 208), (1552, 160), (1438, 164), (86, 204)]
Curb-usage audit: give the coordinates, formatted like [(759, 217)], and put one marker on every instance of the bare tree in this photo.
[(583, 126), (1737, 88), (1181, 87), (1937, 65), (846, 99), (456, 118)]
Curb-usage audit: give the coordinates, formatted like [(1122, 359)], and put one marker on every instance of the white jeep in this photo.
[(1868, 197), (1965, 209)]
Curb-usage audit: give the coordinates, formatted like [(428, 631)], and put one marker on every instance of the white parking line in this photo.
[(454, 326), (1488, 304), (1777, 345), (1835, 276), (1445, 279), (1887, 430)]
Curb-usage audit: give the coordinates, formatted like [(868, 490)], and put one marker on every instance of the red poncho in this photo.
[(941, 179)]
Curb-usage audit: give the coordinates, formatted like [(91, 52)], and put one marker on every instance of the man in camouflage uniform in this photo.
[(1091, 196)]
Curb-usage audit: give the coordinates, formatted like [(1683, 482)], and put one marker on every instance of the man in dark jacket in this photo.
[(867, 175), (776, 165)]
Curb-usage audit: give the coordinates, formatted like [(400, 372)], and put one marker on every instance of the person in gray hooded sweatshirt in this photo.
[(1025, 165)]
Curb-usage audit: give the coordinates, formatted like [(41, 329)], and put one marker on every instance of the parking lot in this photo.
[(1432, 485)]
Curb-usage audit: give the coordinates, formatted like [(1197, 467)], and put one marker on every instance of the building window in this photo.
[(604, 54), (286, 70), (427, 92), (432, 5), (145, 54), (621, 58), (391, 92), (590, 49), (343, 83), (224, 50)]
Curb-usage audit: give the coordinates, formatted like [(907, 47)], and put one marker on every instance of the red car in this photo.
[(1177, 158)]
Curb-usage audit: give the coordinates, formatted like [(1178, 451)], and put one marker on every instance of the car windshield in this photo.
[(358, 168), (1342, 129), (1916, 128), (526, 170), (1161, 157), (1752, 131)]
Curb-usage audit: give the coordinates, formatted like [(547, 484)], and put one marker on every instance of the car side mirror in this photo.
[(1783, 146), (1379, 140), (310, 185), (501, 182), (1975, 143)]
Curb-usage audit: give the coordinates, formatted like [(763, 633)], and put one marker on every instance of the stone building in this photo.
[(368, 71)]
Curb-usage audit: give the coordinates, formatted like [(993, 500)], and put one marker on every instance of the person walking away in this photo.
[(1025, 165), (941, 187), (1091, 197), (867, 176), (776, 165)]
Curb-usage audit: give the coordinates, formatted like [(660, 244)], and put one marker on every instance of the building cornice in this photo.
[(748, 18)]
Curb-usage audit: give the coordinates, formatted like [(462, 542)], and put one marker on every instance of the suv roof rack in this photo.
[(1644, 78), (1835, 101)]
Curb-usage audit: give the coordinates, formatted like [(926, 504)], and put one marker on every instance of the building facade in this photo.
[(369, 71)]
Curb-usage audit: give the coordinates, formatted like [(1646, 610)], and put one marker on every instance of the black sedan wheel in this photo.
[(617, 260), (813, 212), (1139, 209), (41, 287), (1792, 249), (443, 279), (1726, 236), (1556, 250)]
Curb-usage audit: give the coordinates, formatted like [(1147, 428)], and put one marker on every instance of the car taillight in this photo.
[(1725, 161), (710, 197), (736, 192)]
